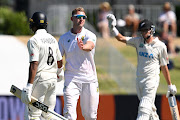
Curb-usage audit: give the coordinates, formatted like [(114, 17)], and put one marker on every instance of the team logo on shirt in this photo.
[(141, 45), (97, 89), (82, 38), (145, 54)]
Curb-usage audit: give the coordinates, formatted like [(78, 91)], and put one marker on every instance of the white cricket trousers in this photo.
[(146, 91), (89, 100), (44, 91)]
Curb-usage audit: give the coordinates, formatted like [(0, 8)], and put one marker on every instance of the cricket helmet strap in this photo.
[(38, 20)]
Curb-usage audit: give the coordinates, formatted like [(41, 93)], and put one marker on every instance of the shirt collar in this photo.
[(154, 41), (77, 33), (41, 31)]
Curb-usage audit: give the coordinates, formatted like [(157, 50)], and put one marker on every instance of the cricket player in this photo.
[(78, 46), (45, 65), (152, 55)]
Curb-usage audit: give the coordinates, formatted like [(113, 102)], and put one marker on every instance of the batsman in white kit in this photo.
[(152, 55), (78, 46), (45, 66)]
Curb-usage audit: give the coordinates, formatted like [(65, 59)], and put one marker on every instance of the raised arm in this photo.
[(112, 25)]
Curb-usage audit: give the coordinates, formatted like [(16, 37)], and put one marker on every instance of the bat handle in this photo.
[(169, 94)]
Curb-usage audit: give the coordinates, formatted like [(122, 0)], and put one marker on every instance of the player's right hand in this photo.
[(80, 44), (111, 20), (171, 90), (26, 94)]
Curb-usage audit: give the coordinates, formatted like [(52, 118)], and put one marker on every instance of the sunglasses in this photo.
[(80, 16)]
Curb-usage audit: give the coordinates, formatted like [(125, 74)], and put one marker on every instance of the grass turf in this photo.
[(108, 86)]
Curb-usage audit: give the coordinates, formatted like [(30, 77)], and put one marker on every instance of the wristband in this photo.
[(115, 31), (29, 85)]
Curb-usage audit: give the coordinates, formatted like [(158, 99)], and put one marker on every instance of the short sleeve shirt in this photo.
[(43, 48), (150, 56), (80, 64)]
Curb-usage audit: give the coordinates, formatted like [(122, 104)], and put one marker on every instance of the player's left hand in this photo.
[(171, 90), (26, 94), (60, 74), (112, 24), (80, 43), (112, 20)]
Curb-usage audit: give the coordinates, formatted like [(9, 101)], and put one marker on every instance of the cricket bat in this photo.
[(173, 107), (34, 102)]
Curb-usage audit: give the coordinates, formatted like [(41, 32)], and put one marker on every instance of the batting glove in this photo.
[(112, 24), (26, 94), (172, 90), (112, 20), (60, 74)]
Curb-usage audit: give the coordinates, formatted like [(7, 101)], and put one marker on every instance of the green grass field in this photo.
[(108, 86), (130, 54)]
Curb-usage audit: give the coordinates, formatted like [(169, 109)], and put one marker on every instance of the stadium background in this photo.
[(14, 60)]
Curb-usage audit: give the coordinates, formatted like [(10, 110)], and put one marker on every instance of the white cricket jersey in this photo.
[(150, 56), (43, 48), (80, 66)]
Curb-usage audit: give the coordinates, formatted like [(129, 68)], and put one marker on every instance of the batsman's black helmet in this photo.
[(38, 20), (145, 25)]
